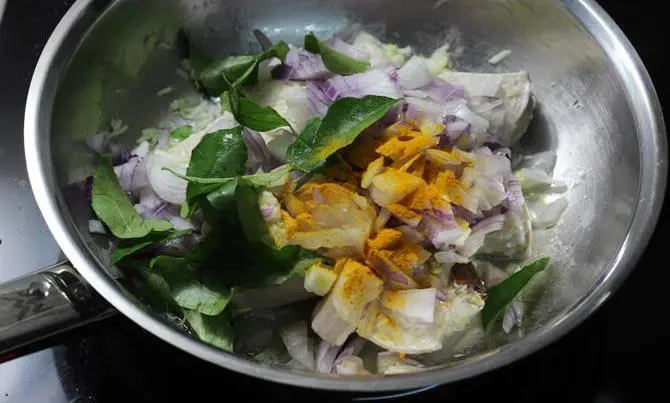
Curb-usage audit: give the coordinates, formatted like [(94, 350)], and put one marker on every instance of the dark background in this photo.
[(615, 356)]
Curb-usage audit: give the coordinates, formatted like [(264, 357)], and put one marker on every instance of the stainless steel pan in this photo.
[(597, 108)]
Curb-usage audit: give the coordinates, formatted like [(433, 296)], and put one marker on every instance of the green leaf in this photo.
[(215, 330), (501, 295), (344, 121), (218, 75), (130, 247), (275, 177), (337, 62), (223, 198), (256, 264), (181, 133), (220, 154), (215, 78), (249, 213), (111, 204), (189, 289), (229, 103), (250, 76), (259, 118), (301, 150)]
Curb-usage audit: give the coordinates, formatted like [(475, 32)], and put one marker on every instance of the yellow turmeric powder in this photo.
[(404, 214), (385, 239)]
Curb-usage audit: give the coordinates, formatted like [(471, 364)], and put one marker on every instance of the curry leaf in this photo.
[(221, 154), (337, 62), (250, 76), (344, 121), (259, 118), (215, 330), (256, 264), (501, 295), (249, 213), (130, 247), (189, 289), (217, 75), (111, 204), (275, 177)]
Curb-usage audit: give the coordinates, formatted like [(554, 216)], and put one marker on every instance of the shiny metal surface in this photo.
[(38, 305), (597, 107)]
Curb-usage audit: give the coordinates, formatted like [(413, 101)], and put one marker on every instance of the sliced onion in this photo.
[(537, 180), (546, 216), (411, 234), (444, 231), (393, 363), (457, 126), (414, 74), (490, 224), (168, 186), (514, 194), (132, 175), (318, 101), (438, 90), (96, 227), (350, 366), (410, 305), (300, 64), (513, 316), (372, 82), (325, 356), (351, 348), (450, 257), (298, 344)]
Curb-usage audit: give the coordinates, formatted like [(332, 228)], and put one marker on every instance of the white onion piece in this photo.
[(450, 257), (181, 224), (298, 344), (411, 234), (350, 366), (96, 227), (513, 316), (537, 180), (410, 305), (457, 126), (166, 185), (544, 216), (392, 363), (325, 356), (490, 224), (372, 82), (414, 74)]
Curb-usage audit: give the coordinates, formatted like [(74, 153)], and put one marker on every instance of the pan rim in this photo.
[(653, 171)]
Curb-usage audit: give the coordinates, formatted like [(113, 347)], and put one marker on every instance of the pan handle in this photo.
[(45, 303)]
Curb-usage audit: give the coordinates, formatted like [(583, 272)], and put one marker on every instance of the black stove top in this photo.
[(609, 358)]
